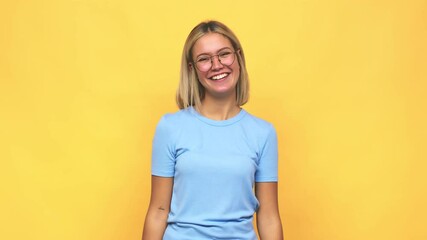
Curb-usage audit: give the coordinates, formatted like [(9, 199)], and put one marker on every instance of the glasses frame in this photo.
[(219, 60)]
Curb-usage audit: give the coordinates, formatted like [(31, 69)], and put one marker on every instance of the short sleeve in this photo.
[(267, 164), (163, 156)]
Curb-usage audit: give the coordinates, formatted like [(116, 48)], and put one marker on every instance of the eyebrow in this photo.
[(216, 51)]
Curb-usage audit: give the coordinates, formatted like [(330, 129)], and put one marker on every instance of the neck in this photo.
[(219, 109)]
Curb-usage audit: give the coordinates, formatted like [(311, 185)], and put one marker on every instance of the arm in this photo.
[(268, 218), (158, 210)]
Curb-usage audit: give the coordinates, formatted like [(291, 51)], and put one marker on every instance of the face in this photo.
[(220, 80)]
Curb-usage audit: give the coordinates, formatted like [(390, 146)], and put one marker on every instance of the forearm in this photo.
[(155, 224), (270, 228)]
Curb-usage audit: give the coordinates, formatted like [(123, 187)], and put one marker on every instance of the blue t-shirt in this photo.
[(214, 165)]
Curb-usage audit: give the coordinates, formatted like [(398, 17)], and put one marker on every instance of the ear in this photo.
[(190, 67)]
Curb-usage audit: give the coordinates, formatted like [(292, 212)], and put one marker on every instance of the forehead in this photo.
[(211, 43)]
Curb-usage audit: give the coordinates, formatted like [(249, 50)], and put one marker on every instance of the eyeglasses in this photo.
[(226, 57)]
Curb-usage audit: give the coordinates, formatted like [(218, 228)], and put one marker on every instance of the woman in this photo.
[(208, 156)]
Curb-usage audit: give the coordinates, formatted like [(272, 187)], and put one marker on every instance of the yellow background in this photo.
[(84, 82)]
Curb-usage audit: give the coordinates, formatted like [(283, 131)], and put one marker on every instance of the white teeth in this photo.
[(221, 76)]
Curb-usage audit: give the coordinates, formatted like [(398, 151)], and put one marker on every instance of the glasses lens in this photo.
[(226, 57), (204, 63)]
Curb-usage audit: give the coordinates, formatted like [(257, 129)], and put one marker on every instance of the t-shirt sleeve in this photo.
[(163, 153), (267, 164)]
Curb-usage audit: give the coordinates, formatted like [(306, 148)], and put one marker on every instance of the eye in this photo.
[(203, 59), (224, 54)]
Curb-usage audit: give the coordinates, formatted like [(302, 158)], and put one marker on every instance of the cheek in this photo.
[(236, 65), (237, 70), (201, 78), (199, 75)]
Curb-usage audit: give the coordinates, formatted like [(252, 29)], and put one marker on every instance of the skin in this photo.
[(219, 103), (268, 218), (158, 210)]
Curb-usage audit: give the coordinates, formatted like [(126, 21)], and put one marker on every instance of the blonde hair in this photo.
[(190, 92)]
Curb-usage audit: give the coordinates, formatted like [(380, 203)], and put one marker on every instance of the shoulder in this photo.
[(179, 117), (174, 122), (171, 125), (259, 124)]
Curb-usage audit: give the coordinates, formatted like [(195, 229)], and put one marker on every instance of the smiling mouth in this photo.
[(220, 76)]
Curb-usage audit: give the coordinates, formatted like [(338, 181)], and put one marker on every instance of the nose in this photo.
[(216, 63)]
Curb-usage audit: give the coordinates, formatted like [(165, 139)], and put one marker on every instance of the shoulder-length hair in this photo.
[(190, 92)]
